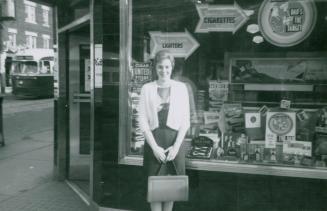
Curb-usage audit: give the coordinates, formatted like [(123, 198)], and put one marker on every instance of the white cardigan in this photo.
[(179, 107)]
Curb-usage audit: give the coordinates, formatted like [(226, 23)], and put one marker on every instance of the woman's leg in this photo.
[(168, 206), (156, 206)]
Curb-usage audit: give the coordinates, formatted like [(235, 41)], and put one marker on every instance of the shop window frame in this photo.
[(194, 164)]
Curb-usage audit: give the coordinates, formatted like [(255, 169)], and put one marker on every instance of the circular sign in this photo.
[(286, 23), (280, 124)]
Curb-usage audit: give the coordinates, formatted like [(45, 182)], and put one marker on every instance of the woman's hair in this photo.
[(164, 54)]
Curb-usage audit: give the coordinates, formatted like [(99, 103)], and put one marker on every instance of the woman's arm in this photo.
[(173, 150), (184, 101)]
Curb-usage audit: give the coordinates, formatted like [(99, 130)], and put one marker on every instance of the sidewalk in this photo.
[(26, 172), (51, 196)]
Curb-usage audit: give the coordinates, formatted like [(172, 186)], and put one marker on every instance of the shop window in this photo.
[(259, 96), (30, 11)]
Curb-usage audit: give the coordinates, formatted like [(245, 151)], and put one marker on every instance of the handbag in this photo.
[(167, 188)]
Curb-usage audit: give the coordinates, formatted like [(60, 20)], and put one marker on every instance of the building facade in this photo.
[(29, 25), (258, 75)]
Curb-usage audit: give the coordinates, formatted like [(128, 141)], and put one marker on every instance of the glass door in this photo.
[(79, 109)]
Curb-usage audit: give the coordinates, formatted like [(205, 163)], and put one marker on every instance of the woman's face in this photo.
[(164, 69)]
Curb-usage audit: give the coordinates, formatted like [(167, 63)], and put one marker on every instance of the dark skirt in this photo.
[(165, 137)]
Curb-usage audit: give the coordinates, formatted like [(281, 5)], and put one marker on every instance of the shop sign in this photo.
[(180, 44), (220, 18), (141, 73), (279, 126), (98, 62), (286, 23)]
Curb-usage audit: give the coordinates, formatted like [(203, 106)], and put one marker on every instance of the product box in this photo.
[(256, 151), (296, 152), (305, 125), (320, 144), (232, 118), (201, 148)]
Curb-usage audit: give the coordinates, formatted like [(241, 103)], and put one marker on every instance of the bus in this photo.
[(32, 73)]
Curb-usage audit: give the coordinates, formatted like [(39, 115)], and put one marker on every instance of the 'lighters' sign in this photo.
[(220, 18), (180, 44)]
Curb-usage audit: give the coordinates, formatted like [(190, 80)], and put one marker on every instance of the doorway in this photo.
[(79, 108)]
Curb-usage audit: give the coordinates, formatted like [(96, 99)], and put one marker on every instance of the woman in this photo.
[(164, 117)]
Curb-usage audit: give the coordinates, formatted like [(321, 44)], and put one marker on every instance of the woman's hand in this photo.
[(172, 152), (159, 153)]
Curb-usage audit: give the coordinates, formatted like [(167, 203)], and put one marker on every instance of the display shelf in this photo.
[(233, 167), (245, 168), (300, 104), (278, 87)]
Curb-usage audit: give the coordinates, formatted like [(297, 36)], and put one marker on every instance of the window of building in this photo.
[(31, 39), (10, 8), (45, 15), (30, 12), (12, 38), (46, 41)]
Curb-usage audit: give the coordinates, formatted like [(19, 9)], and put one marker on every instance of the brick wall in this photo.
[(21, 25)]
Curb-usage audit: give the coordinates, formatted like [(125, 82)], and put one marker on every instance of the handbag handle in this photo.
[(160, 167)]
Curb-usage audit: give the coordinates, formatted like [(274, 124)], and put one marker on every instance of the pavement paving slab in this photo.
[(27, 144), (19, 174), (51, 196), (4, 197)]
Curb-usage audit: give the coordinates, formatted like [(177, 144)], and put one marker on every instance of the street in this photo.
[(26, 159), (22, 118)]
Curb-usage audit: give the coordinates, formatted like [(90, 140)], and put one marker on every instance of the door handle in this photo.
[(81, 97)]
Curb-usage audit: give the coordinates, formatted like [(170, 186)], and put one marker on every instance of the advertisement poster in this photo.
[(98, 65), (55, 76), (278, 70), (87, 75), (141, 73), (254, 126), (218, 90), (280, 126), (286, 23), (252, 120)]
